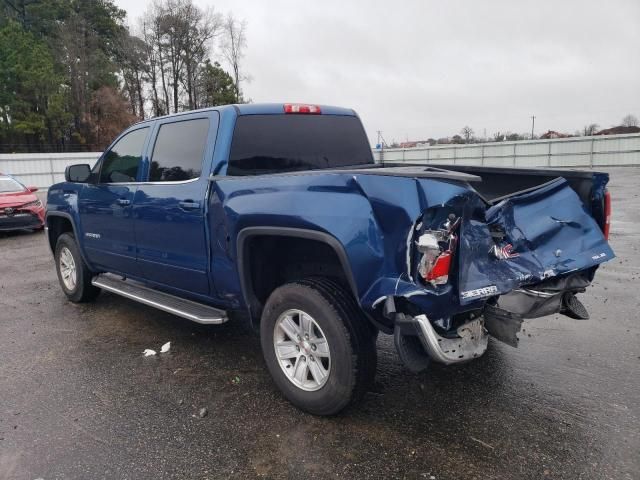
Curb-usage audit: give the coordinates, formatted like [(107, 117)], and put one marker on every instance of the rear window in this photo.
[(179, 150), (9, 185), (284, 143)]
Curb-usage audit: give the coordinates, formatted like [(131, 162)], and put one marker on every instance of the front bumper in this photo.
[(21, 220)]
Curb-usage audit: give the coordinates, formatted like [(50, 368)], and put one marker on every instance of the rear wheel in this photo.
[(73, 274), (317, 345)]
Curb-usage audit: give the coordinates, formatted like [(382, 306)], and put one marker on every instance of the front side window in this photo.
[(179, 151), (121, 163)]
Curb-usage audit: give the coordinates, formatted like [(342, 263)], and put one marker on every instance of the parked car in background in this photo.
[(20, 208), (278, 214)]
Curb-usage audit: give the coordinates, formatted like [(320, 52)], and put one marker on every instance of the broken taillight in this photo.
[(439, 273), (437, 248), (607, 214)]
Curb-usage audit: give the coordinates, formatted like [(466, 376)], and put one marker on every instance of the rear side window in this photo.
[(121, 163), (284, 143), (179, 151)]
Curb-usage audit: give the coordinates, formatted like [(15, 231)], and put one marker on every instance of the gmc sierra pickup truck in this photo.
[(278, 216)]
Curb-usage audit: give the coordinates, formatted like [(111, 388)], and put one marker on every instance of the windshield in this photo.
[(9, 185), (286, 143)]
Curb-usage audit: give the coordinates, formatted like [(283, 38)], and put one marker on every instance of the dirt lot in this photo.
[(78, 399)]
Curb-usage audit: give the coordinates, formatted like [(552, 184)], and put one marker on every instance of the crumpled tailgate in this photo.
[(525, 239)]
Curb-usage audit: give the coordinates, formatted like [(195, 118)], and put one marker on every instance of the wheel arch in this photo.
[(244, 264), (58, 223)]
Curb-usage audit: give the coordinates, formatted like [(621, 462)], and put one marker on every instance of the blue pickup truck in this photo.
[(277, 215)]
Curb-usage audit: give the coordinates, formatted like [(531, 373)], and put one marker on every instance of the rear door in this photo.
[(169, 207), (105, 206)]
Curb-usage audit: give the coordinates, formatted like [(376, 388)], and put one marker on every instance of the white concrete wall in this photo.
[(42, 169), (595, 151)]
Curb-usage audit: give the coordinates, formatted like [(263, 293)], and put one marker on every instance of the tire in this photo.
[(81, 289), (350, 365)]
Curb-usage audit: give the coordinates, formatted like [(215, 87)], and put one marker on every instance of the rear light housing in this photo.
[(437, 248), (302, 108), (439, 272), (607, 214)]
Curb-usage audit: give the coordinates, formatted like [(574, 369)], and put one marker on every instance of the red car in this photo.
[(20, 209)]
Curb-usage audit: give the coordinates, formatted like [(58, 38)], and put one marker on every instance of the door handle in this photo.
[(123, 202), (189, 205)]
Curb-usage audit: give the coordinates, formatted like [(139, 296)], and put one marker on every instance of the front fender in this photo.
[(62, 201)]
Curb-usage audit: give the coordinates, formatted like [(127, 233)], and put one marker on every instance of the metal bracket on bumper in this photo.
[(471, 344)]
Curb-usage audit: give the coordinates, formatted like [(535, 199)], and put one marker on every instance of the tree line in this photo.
[(73, 74)]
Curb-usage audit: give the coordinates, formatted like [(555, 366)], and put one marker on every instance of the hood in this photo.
[(14, 199)]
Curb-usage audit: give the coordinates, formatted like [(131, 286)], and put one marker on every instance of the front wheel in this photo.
[(317, 345), (73, 274)]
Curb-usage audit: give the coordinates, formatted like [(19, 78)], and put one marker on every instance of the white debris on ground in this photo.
[(164, 349)]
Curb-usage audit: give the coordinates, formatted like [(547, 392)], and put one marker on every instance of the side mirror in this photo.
[(79, 173), (32, 189)]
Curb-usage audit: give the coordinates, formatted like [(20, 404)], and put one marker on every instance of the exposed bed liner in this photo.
[(499, 183)]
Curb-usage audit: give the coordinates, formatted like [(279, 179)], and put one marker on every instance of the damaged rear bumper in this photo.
[(504, 319), (471, 341), (417, 340)]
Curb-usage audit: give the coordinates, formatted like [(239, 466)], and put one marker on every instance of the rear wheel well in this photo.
[(270, 261), (57, 226)]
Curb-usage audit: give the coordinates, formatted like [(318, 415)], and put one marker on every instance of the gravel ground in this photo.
[(78, 399)]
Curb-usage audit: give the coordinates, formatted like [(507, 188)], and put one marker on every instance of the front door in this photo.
[(106, 206), (169, 208)]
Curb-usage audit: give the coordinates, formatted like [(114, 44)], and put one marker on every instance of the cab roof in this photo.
[(257, 109), (278, 108)]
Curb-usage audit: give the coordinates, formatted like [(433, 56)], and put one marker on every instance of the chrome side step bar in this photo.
[(194, 311)]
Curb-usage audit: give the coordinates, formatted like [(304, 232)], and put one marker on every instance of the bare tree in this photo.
[(174, 30), (630, 121), (133, 65), (467, 133), (181, 34), (590, 129), (175, 43), (151, 67), (202, 27), (233, 46)]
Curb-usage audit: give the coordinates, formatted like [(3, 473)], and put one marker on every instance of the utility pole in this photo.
[(533, 124), (381, 140)]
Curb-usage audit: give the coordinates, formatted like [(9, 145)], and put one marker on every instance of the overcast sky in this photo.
[(419, 69)]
